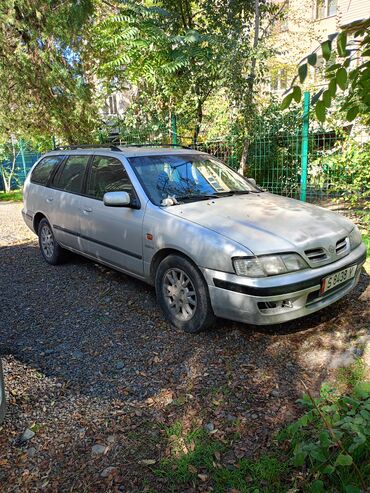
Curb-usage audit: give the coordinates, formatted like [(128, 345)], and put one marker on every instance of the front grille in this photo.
[(341, 246), (316, 254)]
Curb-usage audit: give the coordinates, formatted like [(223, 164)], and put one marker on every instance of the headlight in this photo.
[(355, 238), (269, 265)]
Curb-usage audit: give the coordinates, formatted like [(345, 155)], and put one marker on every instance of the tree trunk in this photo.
[(7, 177), (243, 168), (198, 121)]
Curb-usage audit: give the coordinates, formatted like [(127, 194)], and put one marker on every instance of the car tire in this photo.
[(50, 249), (183, 295)]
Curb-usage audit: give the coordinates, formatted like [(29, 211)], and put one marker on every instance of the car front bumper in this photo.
[(277, 299)]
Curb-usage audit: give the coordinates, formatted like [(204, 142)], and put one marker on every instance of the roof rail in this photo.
[(87, 146), (155, 145)]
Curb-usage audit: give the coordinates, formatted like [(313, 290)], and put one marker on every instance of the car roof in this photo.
[(125, 151)]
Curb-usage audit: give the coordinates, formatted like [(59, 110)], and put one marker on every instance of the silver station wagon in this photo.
[(210, 241)]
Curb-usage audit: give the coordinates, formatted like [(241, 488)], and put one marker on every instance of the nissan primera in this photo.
[(210, 241)]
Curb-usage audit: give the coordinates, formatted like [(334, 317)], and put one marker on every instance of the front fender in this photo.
[(206, 248)]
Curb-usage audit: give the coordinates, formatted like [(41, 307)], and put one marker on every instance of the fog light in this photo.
[(287, 304)]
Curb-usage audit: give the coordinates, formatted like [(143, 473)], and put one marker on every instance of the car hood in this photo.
[(267, 223)]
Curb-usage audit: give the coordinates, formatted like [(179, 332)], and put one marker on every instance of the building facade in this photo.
[(306, 23)]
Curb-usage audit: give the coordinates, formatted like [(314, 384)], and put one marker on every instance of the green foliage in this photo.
[(352, 375), (275, 145), (46, 87), (332, 439), (366, 240), (347, 67), (180, 54), (344, 170)]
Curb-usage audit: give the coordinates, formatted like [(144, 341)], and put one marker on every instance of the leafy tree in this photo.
[(347, 72), (182, 53), (45, 85), (168, 50)]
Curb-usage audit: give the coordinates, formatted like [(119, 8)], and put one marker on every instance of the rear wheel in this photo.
[(183, 294), (52, 252)]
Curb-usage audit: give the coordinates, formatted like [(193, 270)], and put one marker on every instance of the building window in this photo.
[(325, 8), (112, 104), (279, 81)]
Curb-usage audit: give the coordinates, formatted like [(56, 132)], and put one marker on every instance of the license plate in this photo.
[(334, 280)]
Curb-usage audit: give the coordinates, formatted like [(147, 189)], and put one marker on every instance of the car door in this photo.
[(67, 185), (111, 234), (2, 394)]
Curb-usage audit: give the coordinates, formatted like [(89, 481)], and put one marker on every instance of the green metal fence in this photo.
[(25, 159), (297, 159)]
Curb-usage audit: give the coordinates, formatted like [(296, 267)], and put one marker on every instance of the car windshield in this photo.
[(187, 177)]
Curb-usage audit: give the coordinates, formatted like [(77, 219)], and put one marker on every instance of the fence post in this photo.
[(304, 148), (174, 129)]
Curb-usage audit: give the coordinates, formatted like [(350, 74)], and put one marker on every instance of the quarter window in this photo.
[(44, 168), (107, 174), (71, 176)]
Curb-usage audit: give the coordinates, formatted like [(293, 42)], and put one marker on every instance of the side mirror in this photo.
[(253, 181), (117, 199)]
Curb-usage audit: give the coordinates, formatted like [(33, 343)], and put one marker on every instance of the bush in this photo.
[(344, 171), (330, 443)]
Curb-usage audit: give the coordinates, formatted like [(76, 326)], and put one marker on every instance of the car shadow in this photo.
[(103, 333)]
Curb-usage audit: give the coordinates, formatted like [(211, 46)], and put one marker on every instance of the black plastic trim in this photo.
[(102, 243), (282, 289)]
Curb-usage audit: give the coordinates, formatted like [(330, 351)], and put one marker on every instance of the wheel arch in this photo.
[(36, 221), (162, 254)]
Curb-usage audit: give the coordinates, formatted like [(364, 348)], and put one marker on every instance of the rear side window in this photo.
[(107, 174), (41, 173), (71, 175)]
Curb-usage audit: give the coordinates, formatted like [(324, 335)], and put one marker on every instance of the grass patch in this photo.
[(14, 196), (351, 375), (196, 459)]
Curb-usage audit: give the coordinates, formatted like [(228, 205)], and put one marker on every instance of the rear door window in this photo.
[(43, 170), (107, 174), (70, 177)]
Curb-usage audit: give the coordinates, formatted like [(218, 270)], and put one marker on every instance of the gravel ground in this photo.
[(89, 360)]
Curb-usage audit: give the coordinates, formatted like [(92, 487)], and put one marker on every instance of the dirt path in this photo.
[(89, 360)]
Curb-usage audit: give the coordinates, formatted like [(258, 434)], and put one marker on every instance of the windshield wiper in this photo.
[(197, 197), (207, 196)]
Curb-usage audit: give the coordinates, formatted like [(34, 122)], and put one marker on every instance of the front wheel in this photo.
[(50, 249), (183, 294)]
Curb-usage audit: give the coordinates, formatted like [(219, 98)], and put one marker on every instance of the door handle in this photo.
[(49, 199), (87, 210)]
